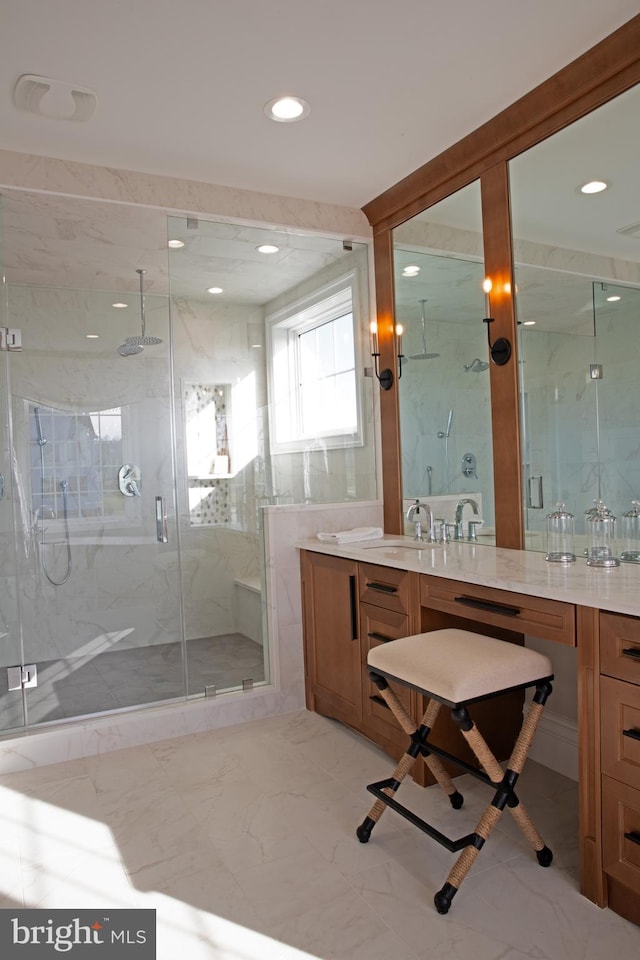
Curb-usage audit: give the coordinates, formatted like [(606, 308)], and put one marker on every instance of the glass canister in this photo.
[(630, 530), (601, 536), (560, 535)]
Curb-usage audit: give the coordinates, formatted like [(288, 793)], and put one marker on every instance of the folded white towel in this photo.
[(352, 536)]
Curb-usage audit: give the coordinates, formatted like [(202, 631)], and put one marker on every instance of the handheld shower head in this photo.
[(39, 435)]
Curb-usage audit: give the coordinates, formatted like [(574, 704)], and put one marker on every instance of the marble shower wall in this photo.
[(564, 409), (429, 389)]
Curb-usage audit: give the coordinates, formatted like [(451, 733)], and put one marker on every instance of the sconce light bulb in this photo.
[(399, 329), (486, 286), (373, 326)]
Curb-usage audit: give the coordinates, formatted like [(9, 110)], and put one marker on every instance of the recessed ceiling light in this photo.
[(93, 336), (613, 299), (528, 323), (267, 248), (175, 244), (594, 186), (120, 306), (214, 290), (287, 109), (411, 271)]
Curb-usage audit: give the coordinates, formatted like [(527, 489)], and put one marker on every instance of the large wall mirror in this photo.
[(577, 275), (444, 392)]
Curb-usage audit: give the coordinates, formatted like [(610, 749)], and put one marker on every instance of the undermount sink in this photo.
[(395, 544)]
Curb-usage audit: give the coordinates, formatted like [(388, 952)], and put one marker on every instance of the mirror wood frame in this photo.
[(598, 76)]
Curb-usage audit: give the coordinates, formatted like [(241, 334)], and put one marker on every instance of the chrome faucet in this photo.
[(459, 526), (413, 516)]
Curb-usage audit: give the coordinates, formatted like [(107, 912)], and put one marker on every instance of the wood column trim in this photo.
[(592, 879), (389, 411), (507, 473)]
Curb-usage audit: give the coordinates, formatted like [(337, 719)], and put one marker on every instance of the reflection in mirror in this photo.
[(444, 394), (577, 274)]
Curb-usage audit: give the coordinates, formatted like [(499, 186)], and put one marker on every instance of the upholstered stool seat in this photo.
[(456, 668)]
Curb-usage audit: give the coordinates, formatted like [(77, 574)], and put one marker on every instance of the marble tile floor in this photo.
[(243, 841), (137, 675)]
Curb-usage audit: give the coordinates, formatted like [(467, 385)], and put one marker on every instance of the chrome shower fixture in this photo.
[(476, 366), (143, 340), (424, 355), (129, 349)]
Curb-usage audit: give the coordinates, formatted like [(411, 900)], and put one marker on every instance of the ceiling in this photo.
[(181, 86)]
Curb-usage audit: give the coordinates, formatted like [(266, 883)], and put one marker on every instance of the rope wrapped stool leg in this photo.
[(415, 749), (458, 668), (504, 781)]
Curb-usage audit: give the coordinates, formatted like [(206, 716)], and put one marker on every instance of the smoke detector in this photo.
[(55, 99)]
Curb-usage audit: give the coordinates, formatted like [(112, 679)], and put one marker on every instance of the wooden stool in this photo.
[(457, 668)]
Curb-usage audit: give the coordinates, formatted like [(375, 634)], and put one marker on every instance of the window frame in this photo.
[(283, 367)]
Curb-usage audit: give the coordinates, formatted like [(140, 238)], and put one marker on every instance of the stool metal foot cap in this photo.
[(545, 856), (364, 830), (456, 799), (443, 898)]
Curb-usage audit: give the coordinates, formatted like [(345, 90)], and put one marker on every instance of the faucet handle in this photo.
[(472, 528)]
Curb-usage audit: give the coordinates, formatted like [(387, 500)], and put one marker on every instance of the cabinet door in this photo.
[(332, 644), (378, 626)]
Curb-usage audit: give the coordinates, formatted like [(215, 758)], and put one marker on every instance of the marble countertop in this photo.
[(522, 571)]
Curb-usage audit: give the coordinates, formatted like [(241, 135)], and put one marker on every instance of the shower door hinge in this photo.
[(10, 338), (19, 677)]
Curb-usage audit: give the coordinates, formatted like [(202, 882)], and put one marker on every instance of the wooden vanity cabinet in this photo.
[(333, 674), (620, 759), (388, 604)]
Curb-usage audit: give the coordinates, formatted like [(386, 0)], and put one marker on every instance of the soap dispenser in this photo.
[(601, 536), (560, 535), (631, 534)]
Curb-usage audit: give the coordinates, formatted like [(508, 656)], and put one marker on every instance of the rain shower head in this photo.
[(129, 349), (424, 355), (476, 366), (143, 340)]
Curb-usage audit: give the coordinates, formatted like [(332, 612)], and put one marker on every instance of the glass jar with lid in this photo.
[(630, 531), (560, 535), (600, 526)]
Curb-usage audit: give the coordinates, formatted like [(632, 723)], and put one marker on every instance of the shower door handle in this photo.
[(161, 521)]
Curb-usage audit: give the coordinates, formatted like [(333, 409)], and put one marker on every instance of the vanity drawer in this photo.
[(548, 619), (384, 587), (621, 832), (620, 646), (620, 730), (378, 626)]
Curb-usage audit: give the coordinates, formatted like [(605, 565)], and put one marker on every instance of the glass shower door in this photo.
[(558, 397), (99, 584), (11, 705)]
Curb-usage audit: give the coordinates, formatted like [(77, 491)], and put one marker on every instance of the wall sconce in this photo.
[(385, 377), (500, 349)]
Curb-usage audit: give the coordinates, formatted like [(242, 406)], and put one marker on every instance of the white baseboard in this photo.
[(556, 744)]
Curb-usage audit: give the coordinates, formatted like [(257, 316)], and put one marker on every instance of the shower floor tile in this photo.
[(76, 687)]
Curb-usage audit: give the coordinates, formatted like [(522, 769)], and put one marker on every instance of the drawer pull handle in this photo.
[(380, 637), (382, 703), (382, 587), (634, 734), (353, 606), (634, 836), (632, 652), (487, 605)]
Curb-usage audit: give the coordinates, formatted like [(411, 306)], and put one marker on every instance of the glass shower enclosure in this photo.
[(124, 581)]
